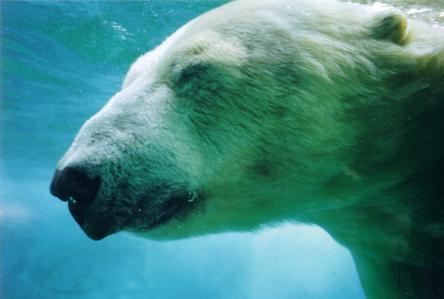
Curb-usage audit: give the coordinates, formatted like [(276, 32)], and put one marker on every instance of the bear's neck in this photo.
[(385, 202), (394, 171)]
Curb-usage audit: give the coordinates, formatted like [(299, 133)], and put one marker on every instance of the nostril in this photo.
[(75, 185)]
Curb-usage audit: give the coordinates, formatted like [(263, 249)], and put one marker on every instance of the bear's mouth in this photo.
[(99, 224), (176, 207)]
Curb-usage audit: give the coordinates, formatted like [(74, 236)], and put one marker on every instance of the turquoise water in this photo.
[(60, 62)]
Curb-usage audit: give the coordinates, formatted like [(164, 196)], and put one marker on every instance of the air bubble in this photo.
[(192, 196), (72, 200)]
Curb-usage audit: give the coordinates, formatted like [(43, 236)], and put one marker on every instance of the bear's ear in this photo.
[(390, 24)]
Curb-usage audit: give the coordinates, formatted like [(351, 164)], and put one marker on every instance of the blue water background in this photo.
[(60, 62)]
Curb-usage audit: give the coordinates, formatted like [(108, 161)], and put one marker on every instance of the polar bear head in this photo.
[(233, 122)]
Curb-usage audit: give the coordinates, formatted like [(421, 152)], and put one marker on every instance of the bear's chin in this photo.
[(95, 226)]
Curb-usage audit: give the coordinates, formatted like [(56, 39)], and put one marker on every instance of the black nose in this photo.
[(74, 185)]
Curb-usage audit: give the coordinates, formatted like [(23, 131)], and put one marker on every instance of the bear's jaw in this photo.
[(102, 219)]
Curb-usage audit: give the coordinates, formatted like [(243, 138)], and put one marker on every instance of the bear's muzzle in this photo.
[(101, 215), (75, 186)]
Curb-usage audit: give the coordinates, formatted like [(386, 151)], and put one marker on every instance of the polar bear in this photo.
[(261, 112)]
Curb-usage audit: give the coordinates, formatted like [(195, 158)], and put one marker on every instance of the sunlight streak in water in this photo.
[(14, 212)]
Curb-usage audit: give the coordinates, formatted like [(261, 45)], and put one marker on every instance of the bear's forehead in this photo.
[(242, 29), (209, 46)]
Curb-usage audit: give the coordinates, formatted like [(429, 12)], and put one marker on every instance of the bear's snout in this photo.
[(75, 185), (100, 213)]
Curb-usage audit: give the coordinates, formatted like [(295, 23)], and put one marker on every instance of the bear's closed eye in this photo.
[(196, 70)]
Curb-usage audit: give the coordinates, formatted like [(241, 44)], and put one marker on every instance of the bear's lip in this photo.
[(176, 207)]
